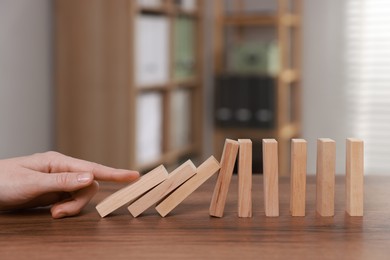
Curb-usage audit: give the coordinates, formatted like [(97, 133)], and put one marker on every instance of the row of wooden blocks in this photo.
[(168, 190)]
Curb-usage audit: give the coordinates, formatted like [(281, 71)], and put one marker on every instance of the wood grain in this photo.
[(96, 92), (326, 164), (132, 191), (298, 177), (92, 68), (174, 180), (228, 160), (207, 169), (354, 180), (245, 178), (271, 177), (192, 234)]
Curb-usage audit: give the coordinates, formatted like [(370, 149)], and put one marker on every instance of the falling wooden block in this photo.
[(245, 178), (203, 173), (326, 161), (221, 189), (298, 177), (132, 191), (270, 177), (354, 177), (174, 180)]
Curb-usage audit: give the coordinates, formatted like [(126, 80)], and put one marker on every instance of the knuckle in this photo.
[(49, 155), (94, 166), (52, 154), (63, 180)]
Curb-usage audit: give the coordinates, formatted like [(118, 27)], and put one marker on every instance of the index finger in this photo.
[(54, 162)]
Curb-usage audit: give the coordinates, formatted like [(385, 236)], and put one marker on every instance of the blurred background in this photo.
[(134, 84)]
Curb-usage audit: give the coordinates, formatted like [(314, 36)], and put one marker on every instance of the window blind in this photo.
[(368, 79)]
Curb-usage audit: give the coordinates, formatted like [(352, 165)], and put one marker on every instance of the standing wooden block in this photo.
[(245, 178), (132, 191), (221, 189), (298, 177), (203, 173), (175, 179), (271, 177), (354, 177), (326, 162)]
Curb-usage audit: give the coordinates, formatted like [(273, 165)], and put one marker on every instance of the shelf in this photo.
[(180, 12), (154, 10), (262, 74), (289, 20), (249, 132), (175, 11), (285, 22), (289, 131), (106, 131), (187, 83), (250, 20), (158, 87)]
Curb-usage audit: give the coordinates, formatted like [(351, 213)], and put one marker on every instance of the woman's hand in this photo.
[(54, 179)]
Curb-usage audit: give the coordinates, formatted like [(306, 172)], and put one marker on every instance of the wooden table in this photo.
[(189, 233)]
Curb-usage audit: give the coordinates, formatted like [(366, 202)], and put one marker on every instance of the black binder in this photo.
[(223, 102), (245, 101), (263, 101)]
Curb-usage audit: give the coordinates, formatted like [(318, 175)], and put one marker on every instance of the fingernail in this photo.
[(84, 177)]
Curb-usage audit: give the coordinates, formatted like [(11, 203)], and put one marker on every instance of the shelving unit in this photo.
[(286, 21), (100, 97)]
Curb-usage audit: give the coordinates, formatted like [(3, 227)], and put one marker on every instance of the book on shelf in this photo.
[(186, 5), (148, 127), (184, 48), (250, 7), (151, 50), (253, 57), (273, 58), (181, 118)]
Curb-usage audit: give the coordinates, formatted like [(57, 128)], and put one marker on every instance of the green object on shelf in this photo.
[(254, 57), (184, 48)]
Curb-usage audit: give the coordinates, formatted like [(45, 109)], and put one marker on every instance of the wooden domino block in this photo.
[(203, 173), (132, 191), (245, 178), (354, 177), (298, 177), (270, 177), (221, 189), (326, 162), (174, 180)]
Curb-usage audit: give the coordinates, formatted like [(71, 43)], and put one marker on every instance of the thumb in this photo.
[(65, 181)]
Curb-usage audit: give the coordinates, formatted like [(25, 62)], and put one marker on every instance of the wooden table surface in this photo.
[(189, 233)]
